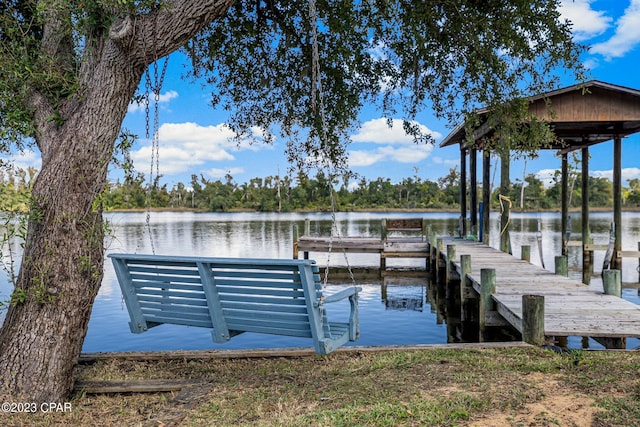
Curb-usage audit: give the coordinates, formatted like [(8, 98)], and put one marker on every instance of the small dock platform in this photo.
[(387, 246), (570, 308)]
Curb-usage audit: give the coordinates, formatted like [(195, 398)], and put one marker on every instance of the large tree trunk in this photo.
[(62, 265), (63, 258)]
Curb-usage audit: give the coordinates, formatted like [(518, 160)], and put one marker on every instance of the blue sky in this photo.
[(194, 139)]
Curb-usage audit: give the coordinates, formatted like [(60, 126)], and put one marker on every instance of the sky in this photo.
[(194, 139)]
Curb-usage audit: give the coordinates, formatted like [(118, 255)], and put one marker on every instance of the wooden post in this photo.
[(465, 288), (296, 237), (639, 267), (439, 267), (451, 255), (505, 187), (612, 282), (463, 190), (473, 191), (383, 229), (487, 289), (587, 260), (433, 254), (486, 194), (617, 201), (562, 267), (565, 203), (307, 232), (525, 253), (481, 225), (426, 233), (533, 319)]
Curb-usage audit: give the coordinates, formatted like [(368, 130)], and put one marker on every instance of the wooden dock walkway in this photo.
[(570, 307)]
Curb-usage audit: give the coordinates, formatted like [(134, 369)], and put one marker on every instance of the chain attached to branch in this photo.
[(317, 103), (153, 85)]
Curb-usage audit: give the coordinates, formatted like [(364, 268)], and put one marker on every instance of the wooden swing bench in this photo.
[(232, 296)]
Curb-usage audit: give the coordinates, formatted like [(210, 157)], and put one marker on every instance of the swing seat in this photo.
[(232, 296)]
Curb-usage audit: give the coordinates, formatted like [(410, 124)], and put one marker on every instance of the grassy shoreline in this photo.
[(510, 386)]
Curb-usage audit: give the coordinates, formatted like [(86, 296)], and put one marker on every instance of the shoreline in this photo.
[(371, 210)]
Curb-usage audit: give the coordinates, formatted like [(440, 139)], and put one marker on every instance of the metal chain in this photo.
[(153, 86), (316, 95)]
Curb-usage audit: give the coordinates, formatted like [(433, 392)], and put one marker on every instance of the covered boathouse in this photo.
[(580, 116)]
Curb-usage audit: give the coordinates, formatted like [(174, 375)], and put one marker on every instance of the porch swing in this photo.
[(234, 295)]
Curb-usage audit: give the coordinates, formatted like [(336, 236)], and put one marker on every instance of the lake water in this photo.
[(392, 310)]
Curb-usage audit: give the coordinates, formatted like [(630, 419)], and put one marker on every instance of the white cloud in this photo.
[(406, 154), (24, 160), (627, 174), (364, 158), (627, 34), (448, 162), (164, 98), (377, 131), (546, 175), (221, 173), (587, 23), (186, 147), (591, 63), (392, 144)]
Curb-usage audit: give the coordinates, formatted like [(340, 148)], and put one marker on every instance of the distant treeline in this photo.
[(285, 194)]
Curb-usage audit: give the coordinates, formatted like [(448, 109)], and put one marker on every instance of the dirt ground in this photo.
[(558, 406)]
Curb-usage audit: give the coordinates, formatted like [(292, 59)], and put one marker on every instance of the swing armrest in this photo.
[(338, 296)]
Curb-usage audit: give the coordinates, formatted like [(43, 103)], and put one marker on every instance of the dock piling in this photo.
[(296, 237), (525, 253), (383, 229), (562, 267), (487, 289), (451, 255), (612, 282), (440, 275), (467, 293), (533, 319)]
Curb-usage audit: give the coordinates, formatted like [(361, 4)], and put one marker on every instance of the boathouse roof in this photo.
[(581, 115)]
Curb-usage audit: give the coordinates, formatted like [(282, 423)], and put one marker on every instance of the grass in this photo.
[(440, 387)]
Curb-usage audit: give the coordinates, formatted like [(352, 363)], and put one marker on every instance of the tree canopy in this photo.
[(452, 57)]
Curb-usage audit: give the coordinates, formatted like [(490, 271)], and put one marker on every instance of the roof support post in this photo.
[(565, 202), (486, 194), (463, 191), (473, 193), (587, 262), (505, 201), (617, 201)]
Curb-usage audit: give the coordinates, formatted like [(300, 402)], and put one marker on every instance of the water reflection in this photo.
[(405, 310)]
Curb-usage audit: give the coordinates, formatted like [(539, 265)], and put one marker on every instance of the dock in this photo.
[(411, 243), (497, 284)]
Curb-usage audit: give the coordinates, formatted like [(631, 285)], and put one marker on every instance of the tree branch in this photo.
[(167, 28)]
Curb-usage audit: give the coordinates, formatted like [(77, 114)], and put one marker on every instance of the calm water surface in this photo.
[(392, 311)]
